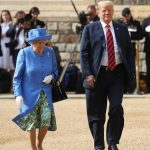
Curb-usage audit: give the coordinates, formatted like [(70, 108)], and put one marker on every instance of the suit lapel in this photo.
[(119, 41), (102, 43), (100, 34), (117, 33)]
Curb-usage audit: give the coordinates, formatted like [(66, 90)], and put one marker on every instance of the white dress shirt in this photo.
[(118, 60)]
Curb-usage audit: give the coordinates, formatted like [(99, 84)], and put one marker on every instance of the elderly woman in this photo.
[(36, 67)]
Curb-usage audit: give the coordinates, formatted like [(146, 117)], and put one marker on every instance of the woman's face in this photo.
[(38, 46), (5, 17)]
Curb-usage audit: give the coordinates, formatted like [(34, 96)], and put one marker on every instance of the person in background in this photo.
[(5, 41), (58, 56), (21, 26), (108, 69), (146, 30), (92, 14), (35, 69), (133, 26), (143, 83), (36, 23)]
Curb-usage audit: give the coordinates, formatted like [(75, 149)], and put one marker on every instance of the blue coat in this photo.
[(31, 69)]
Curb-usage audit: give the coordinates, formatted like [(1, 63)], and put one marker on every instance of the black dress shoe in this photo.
[(99, 148), (113, 147)]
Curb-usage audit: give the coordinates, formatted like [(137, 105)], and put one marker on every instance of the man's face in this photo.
[(127, 18), (92, 13), (106, 13), (143, 86), (35, 15)]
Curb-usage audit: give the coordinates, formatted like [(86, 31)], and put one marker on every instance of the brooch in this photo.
[(48, 54)]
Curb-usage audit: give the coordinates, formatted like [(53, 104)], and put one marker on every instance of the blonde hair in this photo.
[(105, 3)]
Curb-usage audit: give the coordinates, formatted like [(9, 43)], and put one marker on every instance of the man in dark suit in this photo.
[(35, 22), (133, 26), (108, 69)]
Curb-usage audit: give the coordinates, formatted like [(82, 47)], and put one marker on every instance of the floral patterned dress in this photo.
[(39, 116)]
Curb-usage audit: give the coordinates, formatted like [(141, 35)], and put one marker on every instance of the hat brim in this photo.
[(42, 38)]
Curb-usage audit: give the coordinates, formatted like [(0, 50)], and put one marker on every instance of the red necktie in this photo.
[(110, 49)]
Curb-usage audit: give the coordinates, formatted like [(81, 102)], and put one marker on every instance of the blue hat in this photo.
[(38, 34)]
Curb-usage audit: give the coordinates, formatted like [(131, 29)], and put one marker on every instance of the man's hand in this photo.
[(90, 81), (19, 101), (48, 79)]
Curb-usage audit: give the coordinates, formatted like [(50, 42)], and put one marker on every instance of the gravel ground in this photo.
[(73, 132)]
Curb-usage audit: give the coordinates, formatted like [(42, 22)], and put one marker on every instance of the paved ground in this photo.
[(73, 132)]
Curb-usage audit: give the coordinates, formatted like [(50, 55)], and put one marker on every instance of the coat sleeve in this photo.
[(54, 66), (85, 49), (11, 31), (18, 75)]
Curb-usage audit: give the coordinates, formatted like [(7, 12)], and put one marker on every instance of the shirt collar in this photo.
[(104, 24)]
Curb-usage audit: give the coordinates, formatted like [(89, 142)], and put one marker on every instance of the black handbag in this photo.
[(58, 91)]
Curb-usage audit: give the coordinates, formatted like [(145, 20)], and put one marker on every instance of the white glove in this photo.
[(19, 101), (48, 79)]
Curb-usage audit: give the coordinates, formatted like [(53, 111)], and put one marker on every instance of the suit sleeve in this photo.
[(11, 31), (85, 49), (18, 75)]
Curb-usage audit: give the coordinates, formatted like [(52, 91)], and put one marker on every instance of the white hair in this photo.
[(105, 3)]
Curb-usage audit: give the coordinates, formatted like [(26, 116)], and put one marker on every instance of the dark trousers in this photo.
[(108, 85)]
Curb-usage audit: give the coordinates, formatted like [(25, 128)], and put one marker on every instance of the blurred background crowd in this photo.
[(14, 29)]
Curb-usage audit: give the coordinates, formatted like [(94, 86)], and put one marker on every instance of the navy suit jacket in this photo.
[(93, 45)]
